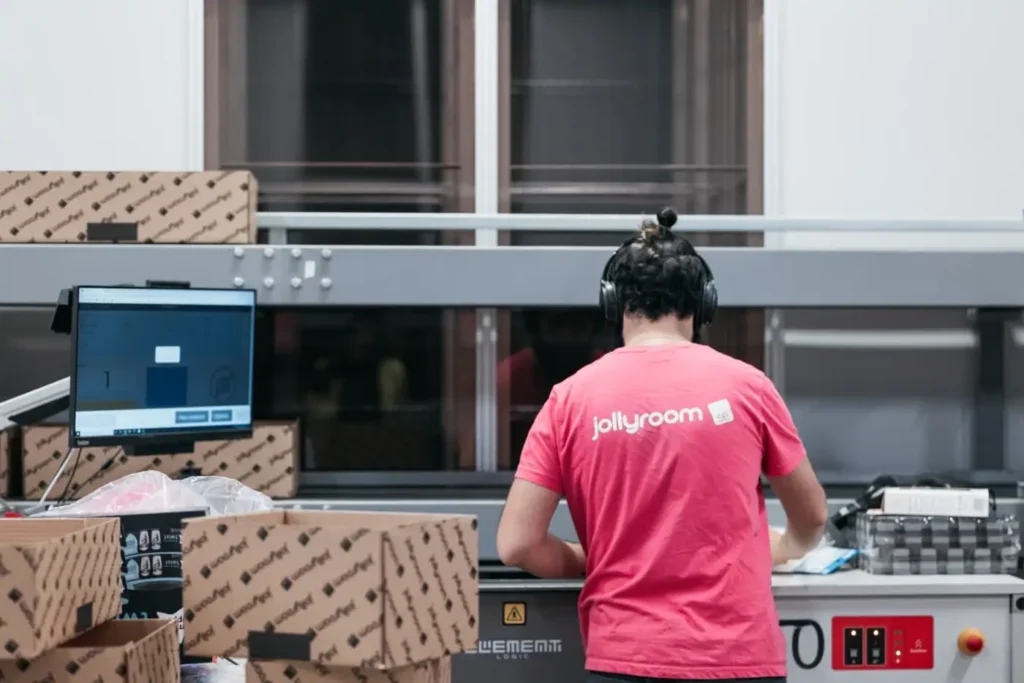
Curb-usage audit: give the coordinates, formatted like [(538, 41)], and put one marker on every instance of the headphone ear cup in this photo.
[(709, 303), (609, 300)]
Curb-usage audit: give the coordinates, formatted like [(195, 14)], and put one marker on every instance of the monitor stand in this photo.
[(163, 448)]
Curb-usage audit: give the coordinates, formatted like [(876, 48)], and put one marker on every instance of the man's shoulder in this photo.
[(702, 360), (592, 371), (727, 363)]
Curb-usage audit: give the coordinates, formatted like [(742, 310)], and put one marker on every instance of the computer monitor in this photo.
[(156, 366)]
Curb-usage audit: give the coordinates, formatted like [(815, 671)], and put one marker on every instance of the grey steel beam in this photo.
[(615, 223), (513, 277)]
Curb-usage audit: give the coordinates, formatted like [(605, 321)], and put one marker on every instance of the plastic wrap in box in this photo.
[(938, 545)]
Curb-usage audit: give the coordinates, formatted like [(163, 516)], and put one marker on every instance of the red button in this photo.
[(971, 642)]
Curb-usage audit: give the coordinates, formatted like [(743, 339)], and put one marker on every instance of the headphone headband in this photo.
[(610, 296)]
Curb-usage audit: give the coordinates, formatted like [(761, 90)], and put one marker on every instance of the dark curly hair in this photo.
[(659, 272)]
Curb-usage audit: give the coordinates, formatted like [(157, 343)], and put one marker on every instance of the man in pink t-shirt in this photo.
[(659, 448)]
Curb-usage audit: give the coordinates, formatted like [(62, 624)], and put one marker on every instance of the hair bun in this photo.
[(667, 217), (656, 231)]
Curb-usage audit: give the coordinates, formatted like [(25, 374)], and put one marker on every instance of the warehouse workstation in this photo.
[(930, 595)]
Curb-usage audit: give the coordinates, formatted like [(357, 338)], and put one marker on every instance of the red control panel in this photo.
[(883, 643)]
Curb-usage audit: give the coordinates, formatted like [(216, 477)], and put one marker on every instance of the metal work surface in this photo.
[(546, 648), (34, 274)]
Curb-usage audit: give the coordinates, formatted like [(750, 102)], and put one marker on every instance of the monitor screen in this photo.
[(160, 365)]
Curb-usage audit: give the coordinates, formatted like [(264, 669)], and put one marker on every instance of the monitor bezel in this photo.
[(175, 440)]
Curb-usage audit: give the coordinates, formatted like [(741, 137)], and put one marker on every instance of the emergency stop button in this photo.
[(971, 642)]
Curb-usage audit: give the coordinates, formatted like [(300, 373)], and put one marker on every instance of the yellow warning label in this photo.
[(514, 614)]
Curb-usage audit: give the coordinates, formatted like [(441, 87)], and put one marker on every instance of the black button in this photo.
[(853, 647), (876, 646)]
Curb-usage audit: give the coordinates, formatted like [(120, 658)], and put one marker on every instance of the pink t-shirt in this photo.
[(658, 451)]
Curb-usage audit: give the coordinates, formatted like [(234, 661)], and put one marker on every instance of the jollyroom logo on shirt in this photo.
[(618, 421)]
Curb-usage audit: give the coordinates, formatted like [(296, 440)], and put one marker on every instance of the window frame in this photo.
[(225, 99), (225, 44)]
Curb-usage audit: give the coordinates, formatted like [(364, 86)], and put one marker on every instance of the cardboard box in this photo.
[(71, 206), (339, 589), (5, 463), (132, 651), (433, 671), (268, 462), (58, 578)]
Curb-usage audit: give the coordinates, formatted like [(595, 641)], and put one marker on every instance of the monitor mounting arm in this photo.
[(32, 407), (35, 406)]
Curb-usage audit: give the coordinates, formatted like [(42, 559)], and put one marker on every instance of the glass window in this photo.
[(362, 105), (619, 106), (546, 346), (872, 391), (375, 389), (881, 391)]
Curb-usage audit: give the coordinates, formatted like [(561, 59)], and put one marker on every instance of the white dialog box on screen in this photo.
[(167, 354)]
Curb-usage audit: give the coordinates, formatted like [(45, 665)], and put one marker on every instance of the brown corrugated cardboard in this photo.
[(129, 651), (268, 462), (72, 206), (58, 578), (340, 589), (434, 671), (5, 463)]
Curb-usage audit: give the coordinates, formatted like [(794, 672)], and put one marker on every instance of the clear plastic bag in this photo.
[(220, 672), (156, 492), (227, 496)]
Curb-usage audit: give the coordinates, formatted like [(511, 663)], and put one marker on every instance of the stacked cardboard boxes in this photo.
[(205, 207), (340, 597), (268, 462), (60, 582)]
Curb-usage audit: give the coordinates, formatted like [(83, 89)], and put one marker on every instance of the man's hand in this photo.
[(782, 548)]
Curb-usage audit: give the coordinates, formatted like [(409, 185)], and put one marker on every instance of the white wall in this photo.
[(905, 109), (101, 84)]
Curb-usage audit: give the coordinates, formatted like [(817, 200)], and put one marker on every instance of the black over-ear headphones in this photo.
[(611, 300)]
